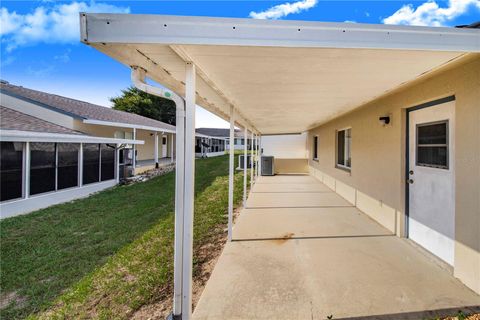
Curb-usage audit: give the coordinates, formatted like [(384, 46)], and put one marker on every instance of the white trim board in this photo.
[(12, 208), (34, 136)]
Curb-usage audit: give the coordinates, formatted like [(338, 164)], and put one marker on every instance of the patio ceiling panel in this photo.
[(281, 76), (286, 90), (165, 67)]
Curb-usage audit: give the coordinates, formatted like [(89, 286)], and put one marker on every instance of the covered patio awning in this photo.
[(268, 77), (280, 76)]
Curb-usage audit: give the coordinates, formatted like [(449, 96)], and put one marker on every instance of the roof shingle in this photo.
[(81, 109), (13, 120)]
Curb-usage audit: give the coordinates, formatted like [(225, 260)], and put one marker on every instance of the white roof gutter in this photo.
[(126, 125), (34, 136), (138, 79)]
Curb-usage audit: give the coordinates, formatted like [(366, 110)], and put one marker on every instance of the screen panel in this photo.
[(108, 162), (67, 165), (42, 167), (91, 163), (11, 170)]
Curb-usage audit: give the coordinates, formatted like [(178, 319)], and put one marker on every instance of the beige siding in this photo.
[(378, 154)]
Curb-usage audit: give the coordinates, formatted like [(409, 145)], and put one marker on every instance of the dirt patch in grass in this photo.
[(206, 258), (462, 316), (11, 298)]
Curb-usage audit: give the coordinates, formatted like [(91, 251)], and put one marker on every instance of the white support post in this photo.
[(231, 173), (27, 170), (155, 149), (251, 160), (260, 155), (117, 163), (189, 190), (56, 166), (257, 147), (179, 212), (245, 143), (134, 150), (171, 148), (80, 165)]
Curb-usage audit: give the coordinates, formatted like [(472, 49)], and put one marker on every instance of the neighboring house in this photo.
[(95, 120), (225, 135), (43, 163), (391, 112), (33, 119), (208, 146)]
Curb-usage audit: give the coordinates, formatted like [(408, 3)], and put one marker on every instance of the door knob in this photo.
[(410, 181), (410, 172)]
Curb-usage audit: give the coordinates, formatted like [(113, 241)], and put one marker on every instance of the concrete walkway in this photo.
[(300, 251)]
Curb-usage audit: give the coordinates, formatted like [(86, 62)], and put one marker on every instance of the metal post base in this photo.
[(171, 316)]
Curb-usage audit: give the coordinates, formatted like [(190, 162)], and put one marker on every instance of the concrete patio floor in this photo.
[(300, 251)]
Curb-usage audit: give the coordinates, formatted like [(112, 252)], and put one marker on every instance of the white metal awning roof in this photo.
[(280, 76), (35, 136)]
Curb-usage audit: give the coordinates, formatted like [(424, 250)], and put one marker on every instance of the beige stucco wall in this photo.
[(144, 152), (378, 153), (291, 165)]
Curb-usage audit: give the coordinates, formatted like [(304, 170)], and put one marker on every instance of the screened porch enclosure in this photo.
[(204, 146), (53, 166)]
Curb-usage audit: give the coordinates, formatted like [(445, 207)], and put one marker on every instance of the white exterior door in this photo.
[(431, 175), (164, 146)]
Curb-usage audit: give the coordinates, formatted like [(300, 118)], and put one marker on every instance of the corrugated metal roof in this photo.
[(14, 120), (80, 109)]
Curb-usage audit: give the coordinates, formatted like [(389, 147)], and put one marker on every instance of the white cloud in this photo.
[(284, 9), (6, 61), (430, 13), (41, 72), (57, 24), (64, 57)]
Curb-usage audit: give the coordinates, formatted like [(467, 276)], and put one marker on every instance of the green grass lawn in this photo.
[(107, 255)]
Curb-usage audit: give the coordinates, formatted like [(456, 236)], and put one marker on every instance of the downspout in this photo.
[(138, 80)]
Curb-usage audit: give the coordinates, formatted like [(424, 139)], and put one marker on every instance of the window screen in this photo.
[(108, 162), (42, 167), (11, 169), (67, 167), (432, 145), (344, 140), (91, 163), (315, 147)]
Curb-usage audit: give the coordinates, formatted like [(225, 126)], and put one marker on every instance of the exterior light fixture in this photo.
[(384, 120)]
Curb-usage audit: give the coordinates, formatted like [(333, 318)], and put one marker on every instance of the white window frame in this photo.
[(347, 149)]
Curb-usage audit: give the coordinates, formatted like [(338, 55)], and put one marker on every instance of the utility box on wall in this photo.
[(267, 166)]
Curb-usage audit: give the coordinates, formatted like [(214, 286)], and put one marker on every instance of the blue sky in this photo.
[(40, 47)]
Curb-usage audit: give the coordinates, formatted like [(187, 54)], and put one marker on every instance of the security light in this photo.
[(384, 120)]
